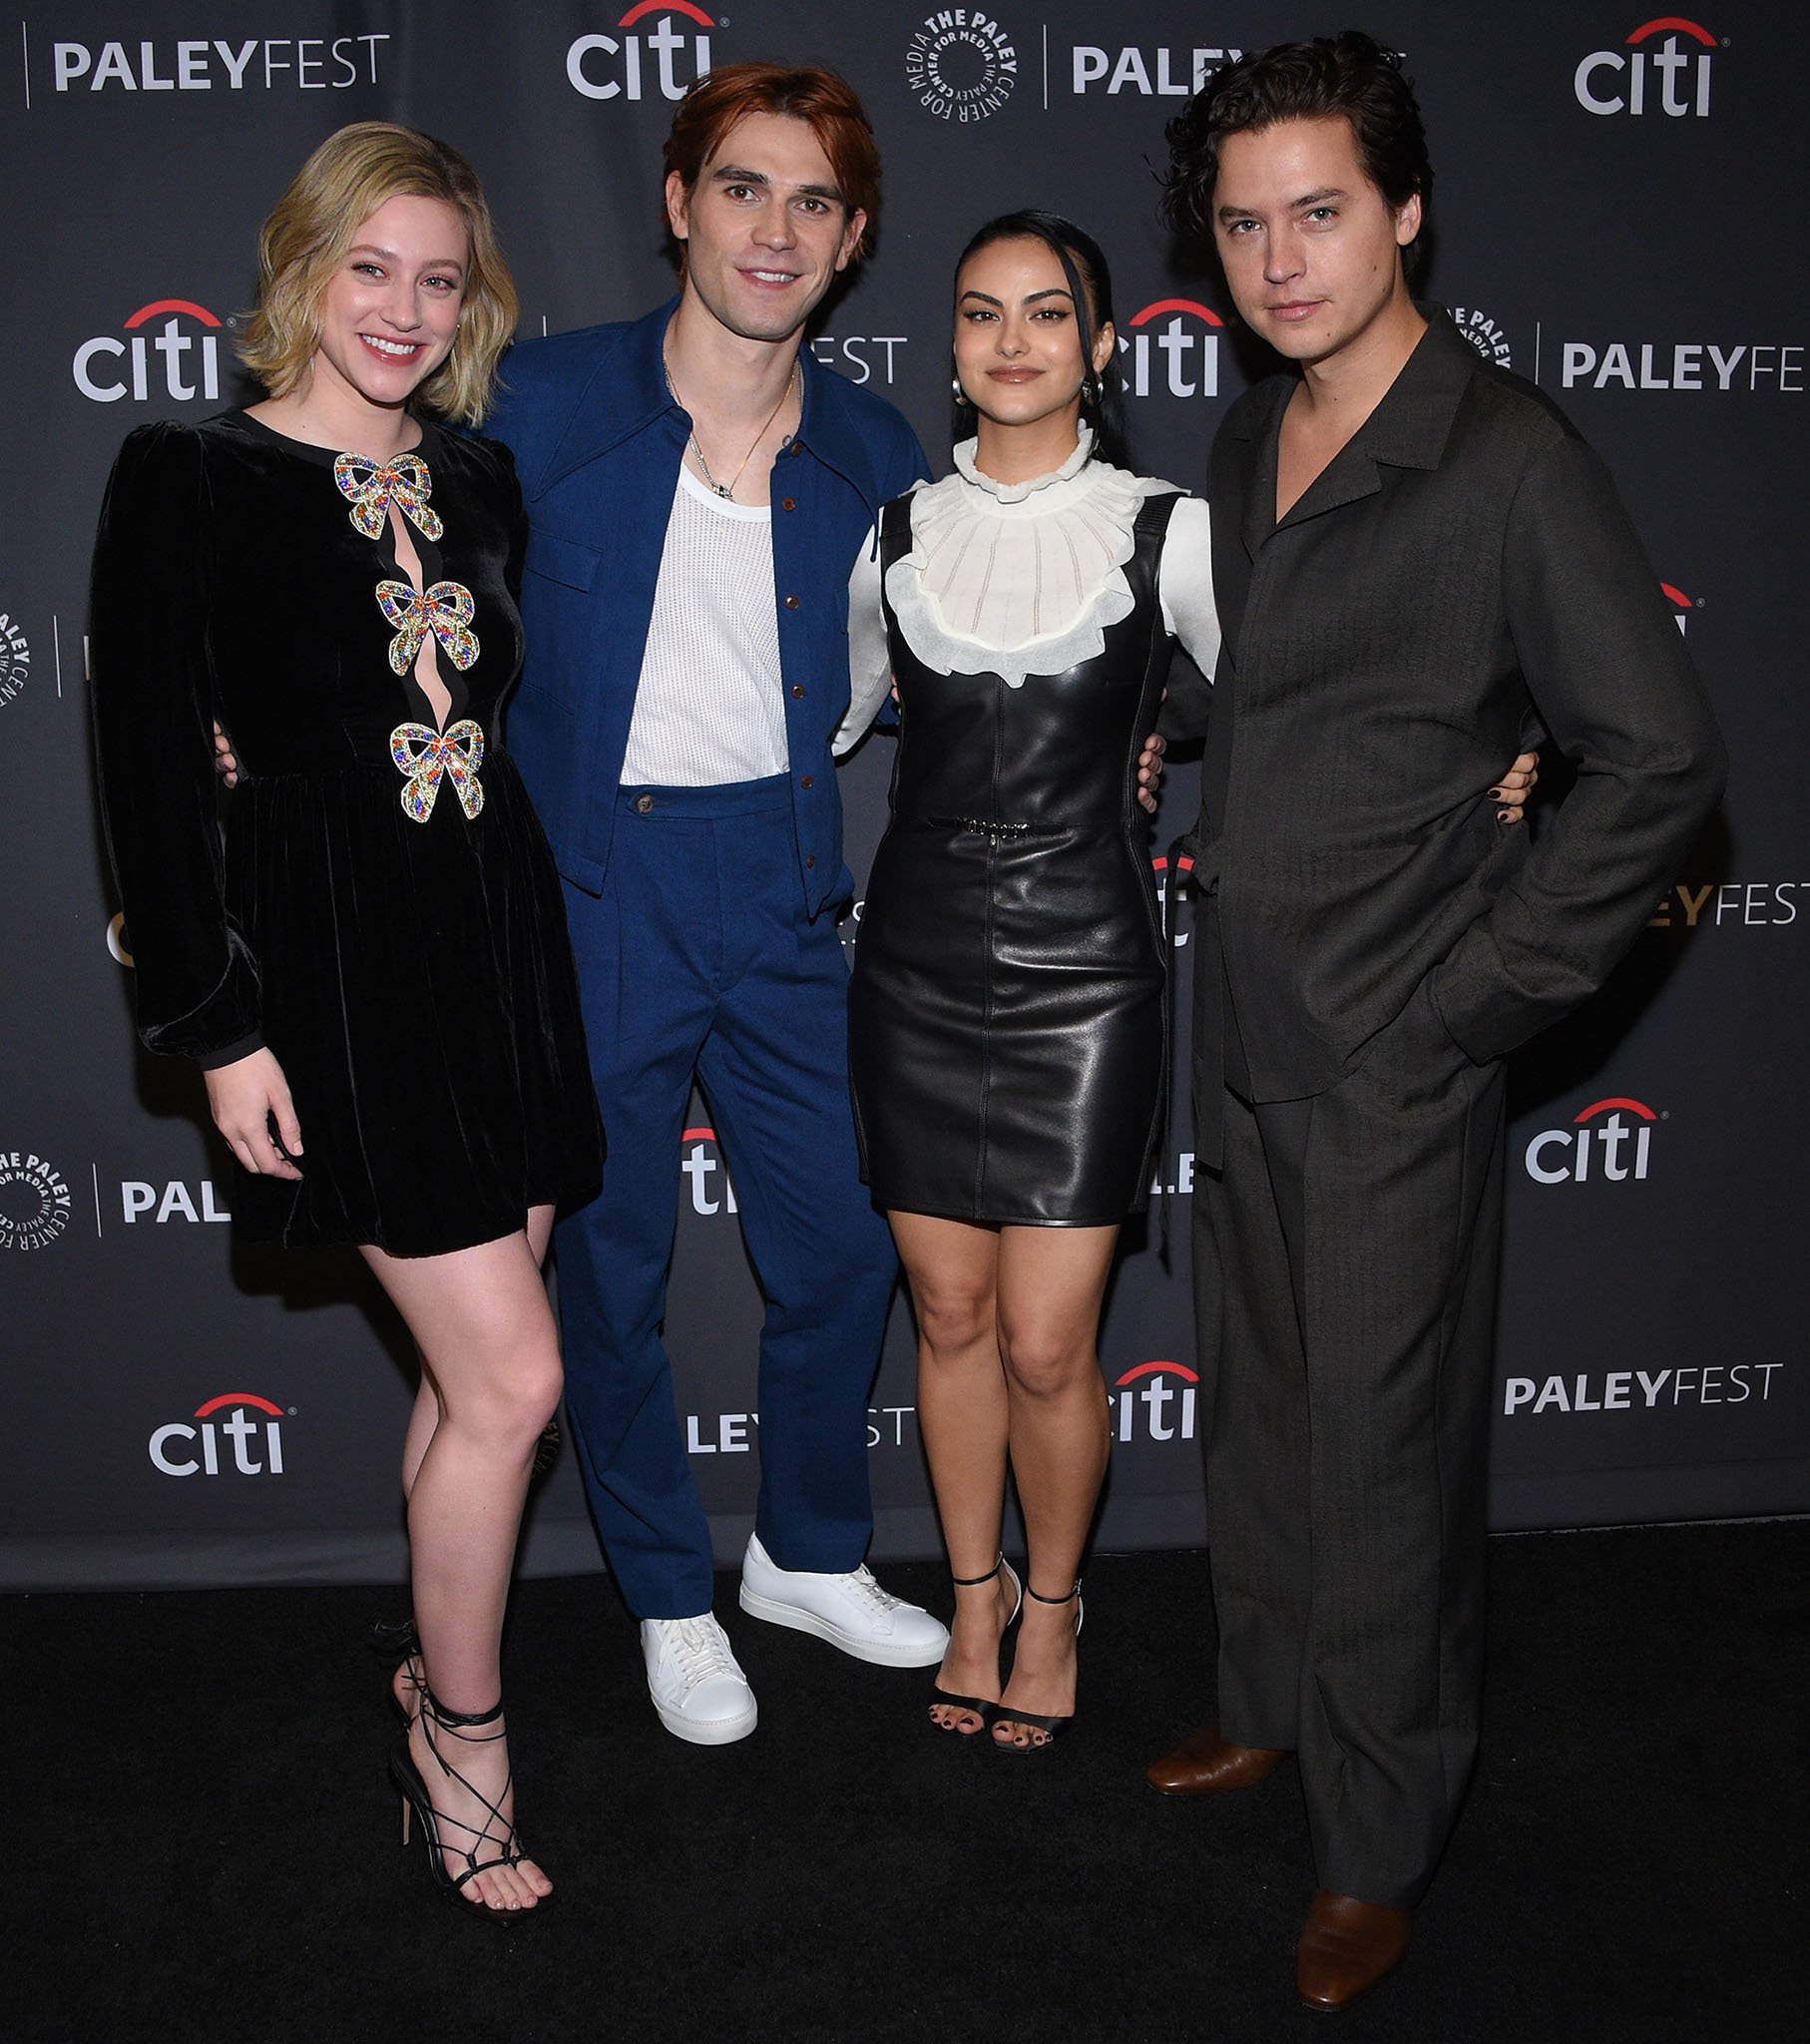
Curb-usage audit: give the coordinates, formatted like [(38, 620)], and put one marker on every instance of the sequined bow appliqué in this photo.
[(426, 755), (445, 609), (374, 486)]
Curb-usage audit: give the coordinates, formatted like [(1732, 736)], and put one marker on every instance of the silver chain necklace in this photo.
[(727, 489)]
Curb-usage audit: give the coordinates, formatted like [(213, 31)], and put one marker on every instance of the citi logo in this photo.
[(1174, 72), (1148, 1406), (701, 1167), (1671, 79), (1172, 905), (1185, 335), (180, 1449), (108, 368), (1618, 1149), (619, 67)]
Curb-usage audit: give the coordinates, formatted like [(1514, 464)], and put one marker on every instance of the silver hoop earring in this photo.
[(955, 386)]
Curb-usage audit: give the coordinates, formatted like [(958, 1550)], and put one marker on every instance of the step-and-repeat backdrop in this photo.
[(1613, 218)]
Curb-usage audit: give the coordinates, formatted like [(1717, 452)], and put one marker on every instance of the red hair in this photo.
[(826, 105)]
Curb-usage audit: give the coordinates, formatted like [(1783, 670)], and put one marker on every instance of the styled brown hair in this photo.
[(1350, 75), (826, 103), (314, 222)]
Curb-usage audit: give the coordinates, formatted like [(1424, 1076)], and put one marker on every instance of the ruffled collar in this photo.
[(1020, 578), (1020, 493)]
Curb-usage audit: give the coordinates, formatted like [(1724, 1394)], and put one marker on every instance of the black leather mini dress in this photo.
[(1007, 1011)]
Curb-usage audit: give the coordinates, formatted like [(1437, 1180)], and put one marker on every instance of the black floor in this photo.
[(203, 1843)]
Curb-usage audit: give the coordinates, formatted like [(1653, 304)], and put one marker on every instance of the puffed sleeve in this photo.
[(869, 659), (154, 712), (1185, 584)]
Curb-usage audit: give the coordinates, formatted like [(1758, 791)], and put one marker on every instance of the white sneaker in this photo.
[(696, 1684), (849, 1611)]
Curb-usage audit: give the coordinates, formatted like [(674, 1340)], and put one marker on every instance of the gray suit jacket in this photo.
[(1461, 576)]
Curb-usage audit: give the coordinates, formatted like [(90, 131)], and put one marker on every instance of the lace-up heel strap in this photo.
[(395, 1638), (453, 1719)]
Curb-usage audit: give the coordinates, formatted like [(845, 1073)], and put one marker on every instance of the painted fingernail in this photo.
[(1496, 795), (1503, 816)]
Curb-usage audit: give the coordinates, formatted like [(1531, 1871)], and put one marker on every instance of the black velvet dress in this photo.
[(383, 912), (1007, 1016)]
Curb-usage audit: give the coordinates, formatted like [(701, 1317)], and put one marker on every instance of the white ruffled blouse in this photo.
[(1023, 579)]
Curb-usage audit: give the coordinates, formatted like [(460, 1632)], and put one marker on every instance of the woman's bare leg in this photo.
[(481, 1321), (1050, 1284), (423, 1418), (952, 1268)]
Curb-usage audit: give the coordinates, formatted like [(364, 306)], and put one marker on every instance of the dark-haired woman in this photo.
[(373, 976), (1007, 1010)]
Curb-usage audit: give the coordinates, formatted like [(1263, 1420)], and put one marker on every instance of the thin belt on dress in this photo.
[(988, 827)]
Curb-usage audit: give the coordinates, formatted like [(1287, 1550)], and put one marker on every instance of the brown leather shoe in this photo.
[(1346, 1947), (1206, 1765)]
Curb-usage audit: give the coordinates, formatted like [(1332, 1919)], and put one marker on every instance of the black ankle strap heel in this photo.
[(497, 1830), (982, 1707), (1050, 1727)]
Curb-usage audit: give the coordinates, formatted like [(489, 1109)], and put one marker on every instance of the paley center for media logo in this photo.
[(250, 1430), (1663, 68), (34, 1200), (108, 368), (1483, 334), (213, 64), (15, 659), (961, 64), (670, 51), (1609, 1140)]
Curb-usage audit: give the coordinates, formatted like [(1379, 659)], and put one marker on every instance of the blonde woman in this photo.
[(371, 969)]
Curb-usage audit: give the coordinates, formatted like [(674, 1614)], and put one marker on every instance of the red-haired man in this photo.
[(697, 488)]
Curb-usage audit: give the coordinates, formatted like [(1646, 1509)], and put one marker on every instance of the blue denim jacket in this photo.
[(597, 441)]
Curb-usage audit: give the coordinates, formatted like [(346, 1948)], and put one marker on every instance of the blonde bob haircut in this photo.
[(316, 222)]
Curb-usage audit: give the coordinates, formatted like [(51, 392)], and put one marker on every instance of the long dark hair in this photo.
[(1083, 266)]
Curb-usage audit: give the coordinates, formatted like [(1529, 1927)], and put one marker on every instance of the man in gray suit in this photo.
[(1419, 566)]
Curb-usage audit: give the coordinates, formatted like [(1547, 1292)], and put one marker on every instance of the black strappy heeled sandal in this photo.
[(394, 1641), (497, 1829), (982, 1707), (1050, 1726)]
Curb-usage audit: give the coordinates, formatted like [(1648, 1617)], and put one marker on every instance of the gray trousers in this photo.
[(1346, 1264)]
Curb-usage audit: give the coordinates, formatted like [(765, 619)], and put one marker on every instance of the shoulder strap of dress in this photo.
[(895, 532), (1153, 519)]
